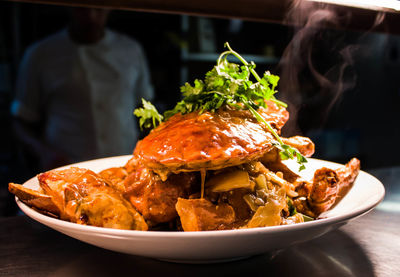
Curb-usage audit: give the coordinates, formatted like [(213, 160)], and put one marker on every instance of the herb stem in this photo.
[(237, 55), (278, 102)]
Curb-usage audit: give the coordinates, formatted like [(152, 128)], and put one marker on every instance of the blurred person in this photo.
[(76, 91)]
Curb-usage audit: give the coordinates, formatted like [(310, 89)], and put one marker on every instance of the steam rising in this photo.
[(316, 67)]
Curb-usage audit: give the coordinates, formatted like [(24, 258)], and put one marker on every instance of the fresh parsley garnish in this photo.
[(288, 152), (148, 115), (227, 84)]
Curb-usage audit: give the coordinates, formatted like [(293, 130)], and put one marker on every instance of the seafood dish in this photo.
[(214, 162)]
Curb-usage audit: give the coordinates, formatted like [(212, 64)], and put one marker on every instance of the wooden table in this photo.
[(366, 246)]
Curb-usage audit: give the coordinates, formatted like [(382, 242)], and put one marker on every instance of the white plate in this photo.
[(216, 246)]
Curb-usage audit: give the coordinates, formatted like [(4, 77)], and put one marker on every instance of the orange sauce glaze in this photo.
[(211, 140)]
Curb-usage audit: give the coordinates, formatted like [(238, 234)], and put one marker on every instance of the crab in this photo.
[(81, 196), (209, 141)]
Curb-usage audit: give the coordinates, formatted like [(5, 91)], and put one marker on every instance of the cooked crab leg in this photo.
[(303, 144), (327, 188), (85, 198), (81, 196), (347, 176), (42, 202)]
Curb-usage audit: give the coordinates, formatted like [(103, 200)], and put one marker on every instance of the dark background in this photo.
[(357, 119)]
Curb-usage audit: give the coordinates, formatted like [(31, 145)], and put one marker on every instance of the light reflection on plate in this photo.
[(216, 246)]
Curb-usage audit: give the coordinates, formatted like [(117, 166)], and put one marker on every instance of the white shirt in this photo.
[(85, 94)]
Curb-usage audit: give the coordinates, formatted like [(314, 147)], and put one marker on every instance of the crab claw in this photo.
[(327, 189)]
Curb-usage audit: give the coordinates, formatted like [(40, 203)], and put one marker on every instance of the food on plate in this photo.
[(81, 196), (216, 161), (327, 188)]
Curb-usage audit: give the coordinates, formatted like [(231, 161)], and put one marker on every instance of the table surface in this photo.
[(366, 246)]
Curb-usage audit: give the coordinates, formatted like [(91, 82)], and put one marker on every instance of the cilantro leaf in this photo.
[(148, 115)]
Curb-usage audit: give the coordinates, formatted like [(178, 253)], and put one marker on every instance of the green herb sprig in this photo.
[(227, 84), (148, 115)]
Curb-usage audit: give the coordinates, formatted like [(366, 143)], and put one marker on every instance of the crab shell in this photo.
[(209, 141)]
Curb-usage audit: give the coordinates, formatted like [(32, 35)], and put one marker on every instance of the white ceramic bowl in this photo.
[(216, 246)]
